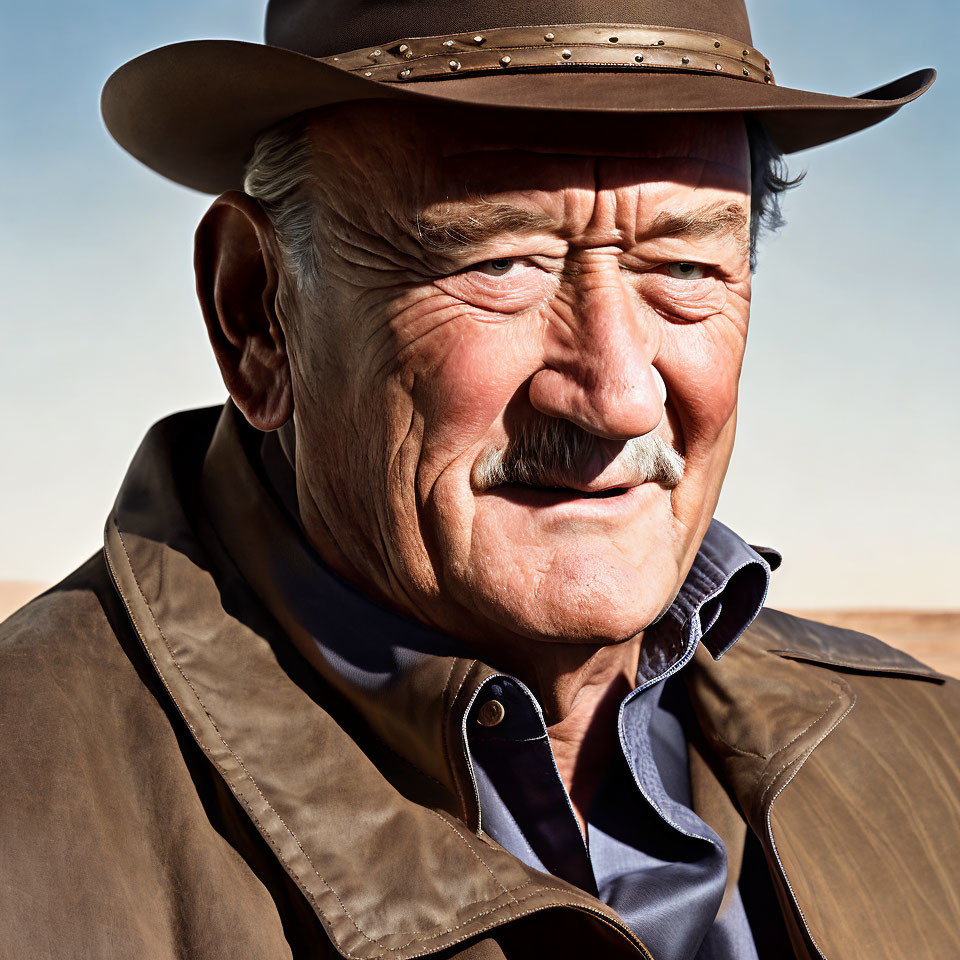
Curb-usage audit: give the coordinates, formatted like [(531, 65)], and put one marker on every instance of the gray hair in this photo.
[(280, 175)]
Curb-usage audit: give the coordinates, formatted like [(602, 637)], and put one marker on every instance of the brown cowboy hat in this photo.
[(192, 111)]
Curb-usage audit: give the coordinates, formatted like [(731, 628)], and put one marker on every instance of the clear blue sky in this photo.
[(848, 454)]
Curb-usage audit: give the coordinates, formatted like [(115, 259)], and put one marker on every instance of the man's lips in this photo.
[(530, 495), (598, 486)]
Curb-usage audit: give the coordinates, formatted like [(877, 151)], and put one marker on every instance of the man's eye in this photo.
[(495, 268), (686, 271)]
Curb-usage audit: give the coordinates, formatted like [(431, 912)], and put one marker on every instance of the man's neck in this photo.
[(580, 690)]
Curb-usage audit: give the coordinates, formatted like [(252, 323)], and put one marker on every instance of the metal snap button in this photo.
[(491, 713)]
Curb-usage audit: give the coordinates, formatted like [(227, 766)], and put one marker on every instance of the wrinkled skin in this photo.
[(414, 359)]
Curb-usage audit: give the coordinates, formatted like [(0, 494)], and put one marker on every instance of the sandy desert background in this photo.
[(929, 635)]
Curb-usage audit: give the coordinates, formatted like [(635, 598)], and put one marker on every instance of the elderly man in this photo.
[(427, 642)]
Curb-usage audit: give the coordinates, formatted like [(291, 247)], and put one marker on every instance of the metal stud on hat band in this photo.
[(570, 46)]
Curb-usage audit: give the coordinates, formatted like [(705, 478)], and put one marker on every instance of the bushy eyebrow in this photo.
[(457, 233), (725, 218)]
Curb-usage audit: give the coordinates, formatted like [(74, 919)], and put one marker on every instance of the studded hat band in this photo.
[(563, 46)]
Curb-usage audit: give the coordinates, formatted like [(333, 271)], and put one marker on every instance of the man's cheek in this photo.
[(479, 369), (701, 370), (403, 336)]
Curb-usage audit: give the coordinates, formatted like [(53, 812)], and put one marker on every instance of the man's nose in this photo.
[(599, 369)]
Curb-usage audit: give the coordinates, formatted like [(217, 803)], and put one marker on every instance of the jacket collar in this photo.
[(761, 740), (401, 677)]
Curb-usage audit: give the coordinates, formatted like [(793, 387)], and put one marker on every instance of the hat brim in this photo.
[(191, 111)]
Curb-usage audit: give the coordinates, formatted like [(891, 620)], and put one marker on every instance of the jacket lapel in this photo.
[(763, 716), (765, 710)]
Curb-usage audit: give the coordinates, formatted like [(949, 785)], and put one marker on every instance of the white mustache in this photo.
[(557, 453)]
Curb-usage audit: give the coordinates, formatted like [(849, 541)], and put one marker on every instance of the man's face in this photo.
[(479, 289)]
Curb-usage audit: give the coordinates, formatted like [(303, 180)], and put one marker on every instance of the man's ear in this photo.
[(235, 260)]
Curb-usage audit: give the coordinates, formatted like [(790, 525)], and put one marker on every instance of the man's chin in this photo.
[(562, 572), (593, 628), (595, 603)]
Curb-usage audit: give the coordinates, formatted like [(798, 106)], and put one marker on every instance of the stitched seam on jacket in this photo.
[(482, 913), (780, 749), (502, 906), (443, 730), (844, 689), (240, 798), (440, 816), (741, 750), (919, 670), (231, 750), (804, 755)]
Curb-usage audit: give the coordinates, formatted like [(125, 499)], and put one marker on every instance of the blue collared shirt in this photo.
[(644, 851)]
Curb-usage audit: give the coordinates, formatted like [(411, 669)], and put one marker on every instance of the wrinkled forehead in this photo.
[(436, 154), (700, 149), (659, 161)]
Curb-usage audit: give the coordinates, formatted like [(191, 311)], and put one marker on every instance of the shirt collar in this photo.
[(720, 597), (725, 589)]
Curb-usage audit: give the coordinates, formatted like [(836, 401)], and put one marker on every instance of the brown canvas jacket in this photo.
[(184, 777)]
